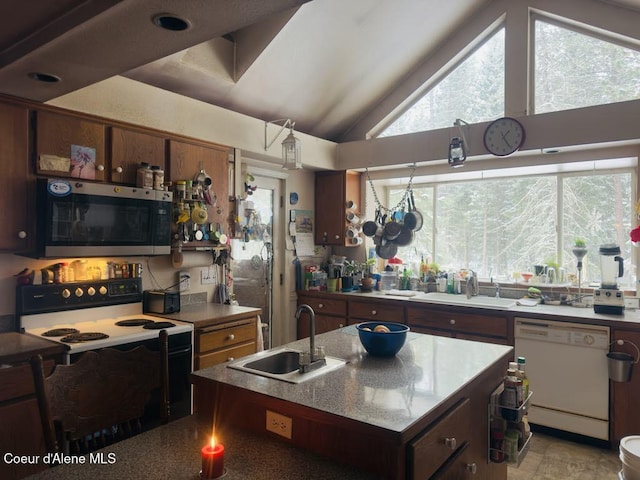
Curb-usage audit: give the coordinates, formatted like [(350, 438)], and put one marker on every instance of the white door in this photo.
[(255, 262)]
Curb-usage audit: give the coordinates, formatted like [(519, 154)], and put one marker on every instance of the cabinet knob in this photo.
[(230, 359), (119, 170), (100, 168), (337, 237), (320, 305), (231, 336), (452, 322), (22, 234), (340, 325), (472, 467), (451, 443), (374, 312)]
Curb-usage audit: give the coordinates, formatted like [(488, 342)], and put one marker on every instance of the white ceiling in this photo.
[(322, 63)]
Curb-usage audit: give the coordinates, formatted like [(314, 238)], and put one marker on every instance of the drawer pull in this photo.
[(451, 443), (340, 325), (472, 467), (374, 312), (452, 322), (321, 305), (231, 336), (230, 359)]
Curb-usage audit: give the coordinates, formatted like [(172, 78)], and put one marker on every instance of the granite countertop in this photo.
[(20, 347), (207, 314), (566, 312), (391, 393), (172, 451)]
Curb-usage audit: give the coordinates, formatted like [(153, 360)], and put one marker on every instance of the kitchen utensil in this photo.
[(392, 230), (199, 214), (382, 343), (369, 228), (416, 213), (386, 249), (406, 236)]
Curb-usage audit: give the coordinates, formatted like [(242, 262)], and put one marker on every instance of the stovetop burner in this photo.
[(60, 332), (84, 337), (134, 322), (158, 325)]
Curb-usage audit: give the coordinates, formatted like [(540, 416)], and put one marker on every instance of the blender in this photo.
[(608, 298)]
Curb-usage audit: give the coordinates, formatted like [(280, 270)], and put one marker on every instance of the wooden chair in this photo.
[(100, 399)]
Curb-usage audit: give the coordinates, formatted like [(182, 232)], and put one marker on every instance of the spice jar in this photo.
[(497, 445)]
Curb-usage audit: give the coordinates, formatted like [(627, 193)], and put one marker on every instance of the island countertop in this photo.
[(390, 393)]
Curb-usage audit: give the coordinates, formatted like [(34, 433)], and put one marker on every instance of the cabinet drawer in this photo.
[(489, 325), (17, 381), (429, 450), (376, 311), (328, 306), (227, 337), (224, 355)]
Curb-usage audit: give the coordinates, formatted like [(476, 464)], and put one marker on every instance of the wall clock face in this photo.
[(504, 136)]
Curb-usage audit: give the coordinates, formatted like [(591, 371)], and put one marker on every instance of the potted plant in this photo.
[(349, 269), (579, 249)]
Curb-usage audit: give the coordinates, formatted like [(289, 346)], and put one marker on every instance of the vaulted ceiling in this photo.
[(322, 63)]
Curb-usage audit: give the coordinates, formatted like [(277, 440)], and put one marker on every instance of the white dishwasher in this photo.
[(567, 370)]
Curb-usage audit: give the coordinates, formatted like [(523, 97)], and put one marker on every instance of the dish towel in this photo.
[(259, 337)]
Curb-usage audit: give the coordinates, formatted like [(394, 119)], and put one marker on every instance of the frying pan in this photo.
[(406, 236), (416, 218), (392, 230), (387, 250)]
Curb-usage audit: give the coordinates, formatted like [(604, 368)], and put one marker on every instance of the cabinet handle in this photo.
[(320, 305), (231, 336), (22, 234), (472, 467), (100, 168), (451, 443), (452, 322), (374, 312)]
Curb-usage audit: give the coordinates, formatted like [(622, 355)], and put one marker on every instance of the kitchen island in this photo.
[(421, 413)]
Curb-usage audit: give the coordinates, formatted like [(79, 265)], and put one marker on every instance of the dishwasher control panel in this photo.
[(594, 336)]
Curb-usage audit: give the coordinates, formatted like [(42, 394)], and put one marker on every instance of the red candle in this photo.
[(212, 460)]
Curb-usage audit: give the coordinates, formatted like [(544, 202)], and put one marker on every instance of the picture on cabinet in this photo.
[(83, 162)]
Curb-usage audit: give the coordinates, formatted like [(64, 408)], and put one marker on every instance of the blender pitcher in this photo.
[(611, 265)]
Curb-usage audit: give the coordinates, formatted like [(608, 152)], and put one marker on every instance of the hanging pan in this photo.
[(386, 249), (391, 230), (415, 213), (406, 236), (370, 227)]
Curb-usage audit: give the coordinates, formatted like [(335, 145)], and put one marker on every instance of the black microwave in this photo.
[(83, 219)]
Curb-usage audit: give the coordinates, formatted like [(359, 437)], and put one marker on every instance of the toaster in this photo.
[(160, 301)]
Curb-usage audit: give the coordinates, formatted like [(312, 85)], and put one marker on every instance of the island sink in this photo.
[(283, 364)]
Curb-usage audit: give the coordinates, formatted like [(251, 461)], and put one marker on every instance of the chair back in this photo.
[(100, 398)]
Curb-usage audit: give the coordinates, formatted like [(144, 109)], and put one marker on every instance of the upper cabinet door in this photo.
[(129, 149), (337, 193), (69, 146), (186, 160), (16, 192)]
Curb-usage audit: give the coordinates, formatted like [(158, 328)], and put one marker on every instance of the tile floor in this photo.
[(551, 458)]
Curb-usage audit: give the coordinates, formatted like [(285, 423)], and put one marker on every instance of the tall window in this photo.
[(503, 226), (574, 70), (473, 91)]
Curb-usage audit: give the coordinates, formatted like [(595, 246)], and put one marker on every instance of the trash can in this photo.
[(620, 365)]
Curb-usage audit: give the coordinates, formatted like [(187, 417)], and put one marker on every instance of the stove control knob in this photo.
[(103, 290), (66, 293), (91, 291), (79, 292)]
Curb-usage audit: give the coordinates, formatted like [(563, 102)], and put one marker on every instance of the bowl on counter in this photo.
[(382, 339)]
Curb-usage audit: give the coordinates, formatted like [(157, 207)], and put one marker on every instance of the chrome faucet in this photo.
[(472, 284), (497, 290), (312, 361)]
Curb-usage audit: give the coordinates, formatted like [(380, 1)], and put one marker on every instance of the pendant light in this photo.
[(291, 147)]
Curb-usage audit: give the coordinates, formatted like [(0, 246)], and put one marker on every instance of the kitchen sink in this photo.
[(283, 364), (477, 301)]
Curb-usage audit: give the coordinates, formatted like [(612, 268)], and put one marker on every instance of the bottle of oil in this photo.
[(523, 376)]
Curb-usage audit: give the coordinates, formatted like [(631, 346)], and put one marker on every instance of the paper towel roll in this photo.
[(192, 259)]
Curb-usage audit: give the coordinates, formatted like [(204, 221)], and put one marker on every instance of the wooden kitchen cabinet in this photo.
[(129, 148), (333, 189), (330, 313), (625, 419), (360, 311), (16, 182), (57, 133), (225, 342), (449, 322), (185, 162)]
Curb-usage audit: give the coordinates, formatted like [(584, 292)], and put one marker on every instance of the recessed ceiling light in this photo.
[(170, 22), (44, 77)]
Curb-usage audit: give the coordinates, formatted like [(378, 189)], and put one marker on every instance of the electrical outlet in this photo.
[(206, 276), (279, 424), (184, 280)]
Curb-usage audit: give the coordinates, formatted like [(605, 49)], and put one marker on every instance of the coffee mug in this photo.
[(352, 217), (356, 241), (351, 232)]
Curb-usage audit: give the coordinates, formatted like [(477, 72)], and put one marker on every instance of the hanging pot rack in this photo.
[(402, 203)]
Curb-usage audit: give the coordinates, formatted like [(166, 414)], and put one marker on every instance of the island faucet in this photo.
[(472, 284), (314, 361)]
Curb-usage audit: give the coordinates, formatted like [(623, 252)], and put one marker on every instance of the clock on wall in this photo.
[(504, 136)]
